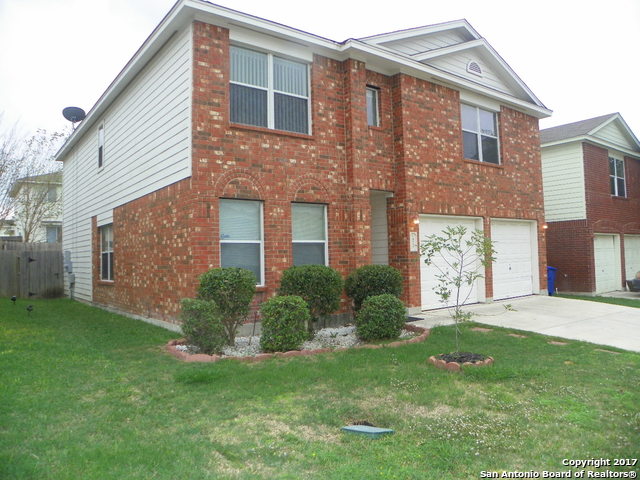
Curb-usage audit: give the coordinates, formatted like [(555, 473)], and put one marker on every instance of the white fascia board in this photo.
[(405, 64), (618, 118), (419, 31), (420, 57), (595, 141)]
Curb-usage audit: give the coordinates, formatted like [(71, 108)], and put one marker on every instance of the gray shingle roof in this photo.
[(571, 130)]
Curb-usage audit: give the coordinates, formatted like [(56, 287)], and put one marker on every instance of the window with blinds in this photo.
[(241, 236), (269, 91), (309, 225)]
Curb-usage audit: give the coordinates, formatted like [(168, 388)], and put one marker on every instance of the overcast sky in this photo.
[(580, 57)]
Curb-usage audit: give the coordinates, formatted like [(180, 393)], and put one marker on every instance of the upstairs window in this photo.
[(241, 236), (616, 177), (106, 252), (480, 134), (269, 91), (309, 225), (373, 106), (100, 145), (52, 194)]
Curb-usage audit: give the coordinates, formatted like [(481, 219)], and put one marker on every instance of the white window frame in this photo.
[(326, 231), (57, 229), (376, 112), (101, 145), (479, 134), (260, 242), (109, 251), (271, 91), (617, 177)]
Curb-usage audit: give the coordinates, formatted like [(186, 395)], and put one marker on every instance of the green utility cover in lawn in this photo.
[(373, 432)]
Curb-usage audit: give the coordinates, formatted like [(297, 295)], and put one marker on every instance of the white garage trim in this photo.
[(434, 224), (515, 271), (606, 254), (631, 255)]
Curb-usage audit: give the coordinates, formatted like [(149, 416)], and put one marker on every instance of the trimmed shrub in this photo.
[(372, 280), (284, 321), (381, 317), (320, 286), (202, 325), (232, 290)]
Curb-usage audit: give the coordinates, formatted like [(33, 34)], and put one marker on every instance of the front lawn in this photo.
[(86, 394), (626, 302)]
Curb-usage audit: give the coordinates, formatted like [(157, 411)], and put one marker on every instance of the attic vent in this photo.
[(474, 67)]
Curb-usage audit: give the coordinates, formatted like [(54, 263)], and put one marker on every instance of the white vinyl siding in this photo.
[(457, 64), (379, 229), (563, 180), (431, 41), (147, 147)]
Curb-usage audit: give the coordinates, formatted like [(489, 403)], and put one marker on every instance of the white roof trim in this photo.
[(420, 57), (617, 118), (419, 31), (186, 11), (596, 141)]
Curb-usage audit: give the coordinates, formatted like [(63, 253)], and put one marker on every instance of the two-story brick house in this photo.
[(230, 140), (591, 172)]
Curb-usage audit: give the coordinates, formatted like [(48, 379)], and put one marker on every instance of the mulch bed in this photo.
[(454, 361)]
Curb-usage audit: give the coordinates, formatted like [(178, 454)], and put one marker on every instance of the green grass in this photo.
[(626, 302), (86, 394)]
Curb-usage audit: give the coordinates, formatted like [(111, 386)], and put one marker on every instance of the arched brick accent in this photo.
[(238, 184), (631, 228), (307, 188), (606, 226)]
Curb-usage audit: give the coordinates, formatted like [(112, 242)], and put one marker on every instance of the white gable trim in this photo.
[(420, 57), (419, 31), (618, 118), (596, 141)]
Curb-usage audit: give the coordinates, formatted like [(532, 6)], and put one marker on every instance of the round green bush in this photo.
[(320, 286), (284, 323), (372, 280), (232, 290), (202, 326), (381, 317)]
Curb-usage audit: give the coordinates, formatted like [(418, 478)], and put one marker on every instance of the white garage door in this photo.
[(631, 255), (607, 266), (430, 225), (513, 270)]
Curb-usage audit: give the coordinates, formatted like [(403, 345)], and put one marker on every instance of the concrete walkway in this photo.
[(594, 322)]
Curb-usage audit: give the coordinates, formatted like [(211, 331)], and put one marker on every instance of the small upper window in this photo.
[(480, 134), (373, 106), (616, 177), (100, 145), (52, 194)]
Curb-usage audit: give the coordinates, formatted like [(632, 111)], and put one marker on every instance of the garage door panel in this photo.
[(606, 263), (631, 255), (513, 270), (429, 273)]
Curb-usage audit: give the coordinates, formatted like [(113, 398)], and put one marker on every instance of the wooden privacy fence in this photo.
[(30, 270)]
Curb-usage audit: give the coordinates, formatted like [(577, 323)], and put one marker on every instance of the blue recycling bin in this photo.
[(551, 280)]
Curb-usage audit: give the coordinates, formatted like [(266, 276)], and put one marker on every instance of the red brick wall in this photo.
[(570, 250), (164, 241)]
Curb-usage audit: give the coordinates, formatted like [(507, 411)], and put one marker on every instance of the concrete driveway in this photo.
[(594, 322)]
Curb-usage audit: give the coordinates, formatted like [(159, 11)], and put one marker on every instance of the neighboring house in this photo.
[(37, 208), (591, 172), (8, 231), (230, 140)]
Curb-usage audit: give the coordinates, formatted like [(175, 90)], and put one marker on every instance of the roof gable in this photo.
[(608, 130), (456, 48)]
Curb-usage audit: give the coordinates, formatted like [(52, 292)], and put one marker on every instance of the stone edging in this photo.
[(455, 366), (201, 357)]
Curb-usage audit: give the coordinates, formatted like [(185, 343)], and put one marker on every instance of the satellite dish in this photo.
[(74, 114)]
